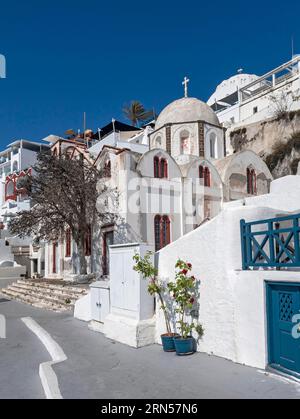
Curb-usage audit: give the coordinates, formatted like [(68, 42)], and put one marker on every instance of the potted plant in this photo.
[(184, 291), (156, 288)]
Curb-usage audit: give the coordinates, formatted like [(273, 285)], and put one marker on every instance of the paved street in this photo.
[(99, 368)]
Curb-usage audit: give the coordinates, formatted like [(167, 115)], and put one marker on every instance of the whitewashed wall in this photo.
[(232, 302)]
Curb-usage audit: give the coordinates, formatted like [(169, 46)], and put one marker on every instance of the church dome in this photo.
[(187, 109)]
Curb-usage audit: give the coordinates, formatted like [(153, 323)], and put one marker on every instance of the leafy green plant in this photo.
[(155, 287), (184, 292)]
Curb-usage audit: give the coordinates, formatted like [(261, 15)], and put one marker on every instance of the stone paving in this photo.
[(99, 368)]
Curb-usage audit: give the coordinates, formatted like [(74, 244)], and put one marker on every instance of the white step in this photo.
[(67, 288), (45, 295), (60, 299), (47, 291), (36, 302)]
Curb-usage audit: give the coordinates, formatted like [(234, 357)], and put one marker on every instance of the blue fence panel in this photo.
[(271, 243)]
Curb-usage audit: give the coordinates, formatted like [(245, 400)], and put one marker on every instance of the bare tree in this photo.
[(280, 103), (63, 194)]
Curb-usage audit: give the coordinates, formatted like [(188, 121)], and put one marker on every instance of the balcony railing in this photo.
[(271, 243)]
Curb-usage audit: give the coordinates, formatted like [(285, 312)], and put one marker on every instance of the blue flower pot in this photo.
[(184, 347), (168, 342)]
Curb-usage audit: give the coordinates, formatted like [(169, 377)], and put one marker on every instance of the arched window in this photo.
[(185, 146), (158, 142), (156, 166), (10, 190), (251, 181), (204, 173), (68, 243), (88, 242), (54, 152), (162, 231), (166, 233), (207, 177), (163, 168), (212, 145), (157, 220), (160, 167), (107, 169)]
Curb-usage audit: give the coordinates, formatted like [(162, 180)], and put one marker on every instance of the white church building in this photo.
[(171, 178)]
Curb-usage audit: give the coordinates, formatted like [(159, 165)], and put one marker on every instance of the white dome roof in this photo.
[(229, 86), (187, 109)]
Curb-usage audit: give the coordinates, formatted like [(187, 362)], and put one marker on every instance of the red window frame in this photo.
[(207, 177), (156, 167), (160, 166), (7, 183), (204, 173), (162, 231), (68, 242)]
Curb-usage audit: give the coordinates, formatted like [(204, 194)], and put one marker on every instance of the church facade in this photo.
[(167, 188)]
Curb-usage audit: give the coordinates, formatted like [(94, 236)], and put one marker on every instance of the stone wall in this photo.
[(276, 140)]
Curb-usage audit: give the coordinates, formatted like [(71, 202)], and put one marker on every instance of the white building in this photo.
[(245, 98), (170, 179), (16, 161)]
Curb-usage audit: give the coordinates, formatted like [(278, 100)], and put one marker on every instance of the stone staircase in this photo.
[(50, 295)]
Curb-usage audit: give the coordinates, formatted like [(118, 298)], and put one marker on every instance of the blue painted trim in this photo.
[(268, 248)]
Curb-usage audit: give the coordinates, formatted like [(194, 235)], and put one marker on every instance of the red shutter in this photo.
[(157, 232), (207, 177), (68, 243), (166, 233), (156, 166), (201, 172)]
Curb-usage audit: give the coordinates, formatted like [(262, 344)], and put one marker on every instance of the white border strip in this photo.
[(47, 374)]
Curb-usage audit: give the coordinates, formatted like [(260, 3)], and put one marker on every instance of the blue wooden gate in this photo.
[(274, 242), (283, 302)]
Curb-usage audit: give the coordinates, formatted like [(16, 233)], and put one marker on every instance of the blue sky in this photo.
[(69, 56)]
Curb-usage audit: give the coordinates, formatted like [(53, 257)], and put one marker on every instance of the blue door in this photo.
[(283, 303)]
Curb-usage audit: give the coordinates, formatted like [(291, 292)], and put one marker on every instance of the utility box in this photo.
[(131, 318), (100, 303)]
